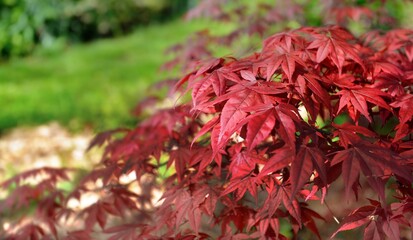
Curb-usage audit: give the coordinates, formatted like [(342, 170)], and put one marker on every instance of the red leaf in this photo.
[(241, 165), (183, 205), (285, 125), (308, 216), (348, 133), (405, 104), (206, 128), (391, 229), (350, 168), (356, 219), (323, 50), (232, 112), (312, 83), (302, 167), (358, 98), (281, 158), (374, 162), (180, 157), (248, 75), (291, 204), (259, 128), (288, 64), (372, 232)]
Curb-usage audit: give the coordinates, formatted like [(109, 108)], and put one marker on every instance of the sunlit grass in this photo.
[(94, 84)]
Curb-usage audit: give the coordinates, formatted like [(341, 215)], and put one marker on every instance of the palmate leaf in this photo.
[(312, 82), (349, 133), (214, 82), (373, 231), (333, 43), (180, 157), (356, 219), (286, 62), (376, 163), (286, 116), (242, 164), (302, 167), (308, 217), (259, 127), (280, 159), (382, 221), (405, 114), (285, 40), (232, 112), (358, 98), (350, 168), (291, 204)]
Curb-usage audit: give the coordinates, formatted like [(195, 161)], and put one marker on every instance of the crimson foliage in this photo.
[(265, 142)]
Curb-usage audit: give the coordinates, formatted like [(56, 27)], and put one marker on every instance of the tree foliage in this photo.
[(265, 142)]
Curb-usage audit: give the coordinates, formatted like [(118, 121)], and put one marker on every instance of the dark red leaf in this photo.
[(356, 219), (259, 128)]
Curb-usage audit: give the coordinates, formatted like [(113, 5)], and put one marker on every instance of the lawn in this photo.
[(95, 84)]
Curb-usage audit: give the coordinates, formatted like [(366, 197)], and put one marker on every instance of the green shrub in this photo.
[(26, 23), (23, 24)]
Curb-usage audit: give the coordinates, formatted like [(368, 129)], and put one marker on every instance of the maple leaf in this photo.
[(286, 40), (238, 215), (373, 231), (214, 82), (405, 114), (241, 185), (334, 45), (308, 216), (358, 98), (270, 206), (280, 159), (241, 132), (312, 82), (380, 220), (180, 157), (349, 133), (259, 128), (373, 161), (286, 116), (207, 198), (303, 165), (242, 164), (357, 218), (285, 61), (291, 204), (232, 112), (183, 203)]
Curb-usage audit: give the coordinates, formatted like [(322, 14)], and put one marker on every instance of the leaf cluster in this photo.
[(264, 142)]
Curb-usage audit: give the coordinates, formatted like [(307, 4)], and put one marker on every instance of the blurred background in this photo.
[(82, 63)]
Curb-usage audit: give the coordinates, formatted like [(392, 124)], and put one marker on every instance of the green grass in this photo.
[(94, 84)]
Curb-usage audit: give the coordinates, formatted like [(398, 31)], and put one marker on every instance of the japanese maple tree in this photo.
[(259, 147)]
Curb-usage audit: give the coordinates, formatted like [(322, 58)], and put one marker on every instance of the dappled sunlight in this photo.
[(47, 145)]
